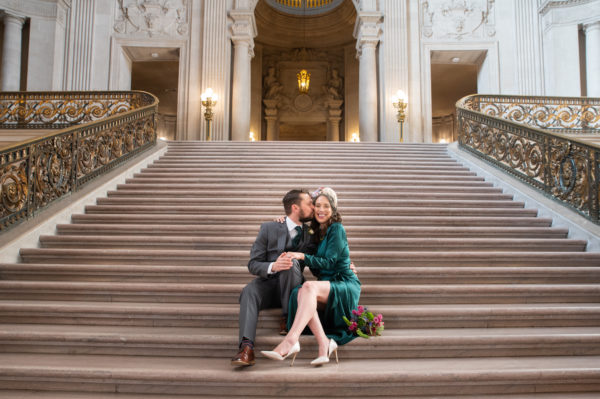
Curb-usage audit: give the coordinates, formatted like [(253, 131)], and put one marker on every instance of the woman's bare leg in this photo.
[(311, 293)]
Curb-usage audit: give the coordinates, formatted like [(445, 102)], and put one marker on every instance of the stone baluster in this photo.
[(367, 33), (271, 118), (11, 52), (592, 58), (333, 120), (243, 32)]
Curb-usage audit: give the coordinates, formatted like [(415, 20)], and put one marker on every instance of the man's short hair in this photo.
[(292, 197)]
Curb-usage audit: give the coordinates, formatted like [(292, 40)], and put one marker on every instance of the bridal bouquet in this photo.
[(364, 324)]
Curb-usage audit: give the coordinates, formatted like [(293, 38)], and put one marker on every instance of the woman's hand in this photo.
[(296, 255), (280, 219)]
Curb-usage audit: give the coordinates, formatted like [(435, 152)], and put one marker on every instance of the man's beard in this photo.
[(304, 218)]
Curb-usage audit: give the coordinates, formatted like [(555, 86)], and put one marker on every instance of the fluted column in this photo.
[(11, 52), (243, 32), (367, 33), (592, 58)]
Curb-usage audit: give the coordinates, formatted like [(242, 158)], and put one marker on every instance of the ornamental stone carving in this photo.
[(457, 19), (152, 18)]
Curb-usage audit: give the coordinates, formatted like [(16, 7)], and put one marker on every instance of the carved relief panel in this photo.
[(280, 87), (457, 19), (152, 18)]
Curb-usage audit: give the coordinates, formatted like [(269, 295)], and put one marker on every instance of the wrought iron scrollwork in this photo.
[(519, 135), (105, 129)]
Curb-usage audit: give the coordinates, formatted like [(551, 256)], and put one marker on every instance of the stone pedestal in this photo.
[(592, 58), (11, 52), (271, 118), (333, 120)]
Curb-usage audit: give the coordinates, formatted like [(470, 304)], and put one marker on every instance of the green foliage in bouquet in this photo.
[(364, 324)]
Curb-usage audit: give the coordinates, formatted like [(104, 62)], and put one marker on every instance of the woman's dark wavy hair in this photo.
[(316, 226)]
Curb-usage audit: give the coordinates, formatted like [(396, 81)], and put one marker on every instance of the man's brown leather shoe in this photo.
[(283, 326), (245, 357)]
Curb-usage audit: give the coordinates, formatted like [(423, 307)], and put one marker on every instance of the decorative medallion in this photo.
[(303, 102), (457, 19)]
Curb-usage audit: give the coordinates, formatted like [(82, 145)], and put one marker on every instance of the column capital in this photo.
[(8, 16), (243, 29), (367, 30), (591, 26)]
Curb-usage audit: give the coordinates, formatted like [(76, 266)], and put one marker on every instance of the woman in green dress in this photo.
[(335, 293)]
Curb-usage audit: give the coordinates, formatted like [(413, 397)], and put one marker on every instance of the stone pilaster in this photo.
[(592, 58), (81, 46), (216, 62), (367, 32), (11, 52), (529, 56), (243, 31)]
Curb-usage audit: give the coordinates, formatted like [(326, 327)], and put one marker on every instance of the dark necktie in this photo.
[(296, 239)]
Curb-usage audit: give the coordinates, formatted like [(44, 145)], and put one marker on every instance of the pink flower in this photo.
[(354, 312), (361, 309), (376, 320), (352, 326)]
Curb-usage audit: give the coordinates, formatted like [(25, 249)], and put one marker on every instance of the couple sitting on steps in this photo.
[(278, 257)]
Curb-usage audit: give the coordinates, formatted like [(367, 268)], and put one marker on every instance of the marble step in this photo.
[(251, 229), (416, 316), (240, 275), (228, 293), (349, 220), (26, 394), (224, 196), (279, 190), (222, 342), (249, 174), (371, 258), (393, 377), (163, 166), (356, 244), (296, 180), (442, 210), (366, 205)]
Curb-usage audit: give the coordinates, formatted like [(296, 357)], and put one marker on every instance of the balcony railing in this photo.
[(533, 139), (96, 132)]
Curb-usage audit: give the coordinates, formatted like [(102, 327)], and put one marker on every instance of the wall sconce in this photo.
[(209, 100), (355, 138), (252, 136), (400, 101)]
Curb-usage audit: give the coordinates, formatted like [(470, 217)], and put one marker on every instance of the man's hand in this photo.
[(296, 255), (284, 262), (353, 268), (280, 219)]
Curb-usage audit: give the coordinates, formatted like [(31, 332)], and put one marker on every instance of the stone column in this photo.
[(592, 58), (11, 52), (271, 118), (243, 32), (367, 33)]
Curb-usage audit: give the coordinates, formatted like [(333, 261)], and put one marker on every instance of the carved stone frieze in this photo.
[(458, 19), (152, 18)]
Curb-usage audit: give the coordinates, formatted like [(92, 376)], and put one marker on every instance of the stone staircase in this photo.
[(137, 298)]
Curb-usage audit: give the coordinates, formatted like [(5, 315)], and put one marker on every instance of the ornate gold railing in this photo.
[(529, 138), (97, 131)]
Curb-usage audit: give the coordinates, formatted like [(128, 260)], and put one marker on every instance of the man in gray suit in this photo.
[(277, 273)]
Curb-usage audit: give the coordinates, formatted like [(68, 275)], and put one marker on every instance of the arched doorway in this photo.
[(316, 36)]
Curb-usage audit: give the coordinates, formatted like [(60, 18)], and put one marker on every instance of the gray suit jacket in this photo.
[(271, 242)]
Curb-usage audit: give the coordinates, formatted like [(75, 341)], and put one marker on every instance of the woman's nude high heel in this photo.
[(276, 356), (325, 359)]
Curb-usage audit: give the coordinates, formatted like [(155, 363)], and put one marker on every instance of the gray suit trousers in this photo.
[(264, 293)]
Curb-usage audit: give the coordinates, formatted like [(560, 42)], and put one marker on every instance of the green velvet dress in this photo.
[(332, 263)]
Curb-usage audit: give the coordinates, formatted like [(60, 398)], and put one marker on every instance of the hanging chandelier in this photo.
[(303, 81)]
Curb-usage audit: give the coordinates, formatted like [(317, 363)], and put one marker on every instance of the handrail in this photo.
[(97, 131), (528, 137)]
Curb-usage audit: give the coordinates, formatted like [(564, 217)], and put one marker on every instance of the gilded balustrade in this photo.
[(97, 131), (529, 138)]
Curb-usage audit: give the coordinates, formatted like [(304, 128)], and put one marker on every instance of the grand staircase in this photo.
[(138, 296)]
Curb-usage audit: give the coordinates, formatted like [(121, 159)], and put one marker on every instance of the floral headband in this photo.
[(327, 192)]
